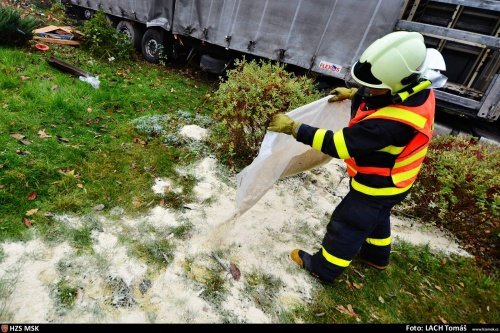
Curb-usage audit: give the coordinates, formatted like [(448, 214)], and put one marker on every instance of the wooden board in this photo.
[(57, 41)]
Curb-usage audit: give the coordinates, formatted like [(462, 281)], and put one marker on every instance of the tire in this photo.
[(154, 46), (87, 14), (131, 31)]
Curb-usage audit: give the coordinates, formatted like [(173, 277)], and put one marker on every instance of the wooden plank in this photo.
[(57, 41), (460, 36), (45, 29), (482, 4)]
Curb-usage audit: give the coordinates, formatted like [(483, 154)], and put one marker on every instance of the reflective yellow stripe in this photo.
[(412, 159), (379, 242), (319, 136), (378, 191), (399, 177), (402, 114), (393, 150), (335, 260), (339, 141)]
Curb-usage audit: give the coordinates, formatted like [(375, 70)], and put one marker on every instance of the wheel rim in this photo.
[(152, 48), (87, 14)]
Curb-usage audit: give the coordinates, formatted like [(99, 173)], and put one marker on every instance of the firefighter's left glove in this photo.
[(284, 124)]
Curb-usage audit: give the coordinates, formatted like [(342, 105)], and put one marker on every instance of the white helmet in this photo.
[(391, 62)]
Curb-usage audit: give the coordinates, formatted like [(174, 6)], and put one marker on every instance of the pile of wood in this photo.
[(58, 35)]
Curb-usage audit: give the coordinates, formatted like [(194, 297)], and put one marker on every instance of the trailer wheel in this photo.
[(153, 45), (131, 31), (87, 14)]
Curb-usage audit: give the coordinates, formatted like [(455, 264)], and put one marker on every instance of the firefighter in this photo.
[(383, 146)]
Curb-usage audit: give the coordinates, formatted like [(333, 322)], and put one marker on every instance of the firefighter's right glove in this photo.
[(284, 124), (341, 93)]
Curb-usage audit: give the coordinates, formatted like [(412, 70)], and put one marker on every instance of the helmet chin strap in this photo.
[(411, 90)]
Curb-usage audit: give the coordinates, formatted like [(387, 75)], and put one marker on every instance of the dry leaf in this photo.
[(25, 142), (27, 222), (17, 136), (24, 77), (139, 141), (62, 139), (381, 299), (31, 211), (348, 311), (32, 196), (438, 287), (89, 110), (442, 320), (462, 284), (22, 152), (162, 202), (43, 135), (357, 286), (235, 272)]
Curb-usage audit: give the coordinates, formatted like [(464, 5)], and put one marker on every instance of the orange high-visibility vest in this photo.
[(409, 160)]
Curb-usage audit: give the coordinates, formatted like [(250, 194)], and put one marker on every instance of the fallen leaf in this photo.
[(24, 77), (43, 135), (62, 139), (25, 142), (27, 222), (444, 261), (320, 314), (31, 211), (357, 286), (17, 136), (79, 185), (67, 172), (438, 287), (444, 321), (462, 284), (348, 311), (162, 202), (89, 110), (139, 141), (381, 299), (22, 152), (32, 196), (235, 272), (488, 308)]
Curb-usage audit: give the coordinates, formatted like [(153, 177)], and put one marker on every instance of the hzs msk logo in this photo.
[(5, 328)]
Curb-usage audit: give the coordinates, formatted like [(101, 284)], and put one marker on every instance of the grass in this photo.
[(107, 146), (65, 294), (418, 287), (94, 154)]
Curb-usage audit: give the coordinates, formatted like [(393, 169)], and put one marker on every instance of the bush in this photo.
[(15, 30), (245, 103), (103, 41), (459, 189)]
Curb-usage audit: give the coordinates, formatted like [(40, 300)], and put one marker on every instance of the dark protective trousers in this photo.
[(357, 223)]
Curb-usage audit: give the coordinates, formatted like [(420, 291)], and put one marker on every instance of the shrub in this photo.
[(245, 103), (459, 189), (103, 41), (15, 30)]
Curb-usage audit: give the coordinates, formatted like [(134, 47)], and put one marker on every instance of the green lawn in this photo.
[(80, 148)]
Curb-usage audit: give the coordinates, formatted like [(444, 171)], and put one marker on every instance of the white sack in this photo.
[(281, 155)]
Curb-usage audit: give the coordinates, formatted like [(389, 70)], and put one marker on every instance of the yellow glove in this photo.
[(284, 124), (341, 93)]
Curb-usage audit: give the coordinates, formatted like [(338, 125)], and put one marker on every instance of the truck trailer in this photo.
[(322, 36)]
